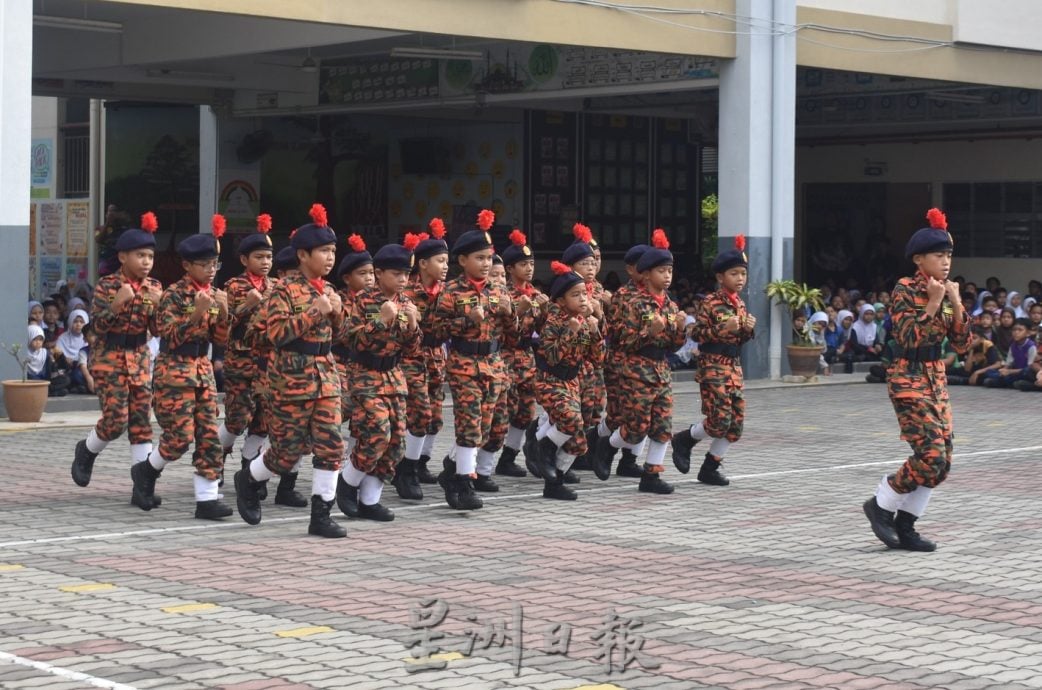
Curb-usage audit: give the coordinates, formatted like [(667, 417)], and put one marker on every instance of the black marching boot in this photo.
[(262, 492), (557, 490), (447, 481), (212, 510), (910, 540), (83, 464), (467, 499), (377, 512), (683, 442), (287, 494), (346, 498), (882, 522), (710, 472), (422, 473), (569, 476), (406, 482), (651, 482), (224, 463), (530, 448), (247, 496), (603, 455), (144, 477), (628, 465), (321, 524), (547, 458), (507, 465), (485, 484)]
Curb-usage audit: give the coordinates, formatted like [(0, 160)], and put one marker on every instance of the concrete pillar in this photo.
[(757, 165), (16, 49), (208, 163)]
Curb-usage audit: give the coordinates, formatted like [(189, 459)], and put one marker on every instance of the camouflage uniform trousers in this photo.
[(723, 403), (593, 393), (298, 427), (476, 387), (185, 414), (241, 404), (648, 412), (497, 432), (521, 400), (426, 397), (613, 392), (378, 423), (925, 415), (123, 405), (346, 404), (562, 400)]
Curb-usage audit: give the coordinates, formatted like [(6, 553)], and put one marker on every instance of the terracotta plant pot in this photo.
[(25, 400), (803, 361)]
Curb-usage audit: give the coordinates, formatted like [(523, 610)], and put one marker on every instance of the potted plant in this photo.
[(797, 298), (24, 400)]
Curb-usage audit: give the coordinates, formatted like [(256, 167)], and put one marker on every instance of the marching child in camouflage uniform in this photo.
[(649, 327), (304, 314), (926, 309), (569, 337), (473, 313), (721, 326), (192, 315), (122, 313), (383, 325), (425, 370)]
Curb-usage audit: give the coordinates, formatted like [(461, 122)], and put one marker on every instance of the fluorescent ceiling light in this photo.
[(188, 75), (437, 53), (77, 24)]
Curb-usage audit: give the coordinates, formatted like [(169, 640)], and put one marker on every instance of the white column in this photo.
[(16, 49), (97, 181), (757, 144), (207, 166)]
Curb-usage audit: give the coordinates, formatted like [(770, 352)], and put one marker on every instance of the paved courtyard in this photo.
[(773, 582)]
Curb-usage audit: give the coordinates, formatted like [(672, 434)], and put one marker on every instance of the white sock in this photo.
[(451, 455), (540, 433), (227, 438), (602, 428), (466, 460), (414, 446), (156, 460), (563, 460), (94, 442), (886, 497), (915, 501), (349, 447), (205, 489), (515, 437), (266, 445), (656, 453), (139, 452), (485, 462), (370, 490), (557, 436), (544, 424), (617, 442), (259, 471), (351, 474), (639, 449), (323, 483), (428, 445), (296, 466), (718, 447), (698, 432), (251, 447)]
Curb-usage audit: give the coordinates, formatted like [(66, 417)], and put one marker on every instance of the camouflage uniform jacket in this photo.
[(291, 315), (240, 315), (526, 324), (713, 313), (913, 328), (560, 347), (367, 333), (174, 324), (451, 320), (136, 317), (432, 351), (645, 354)]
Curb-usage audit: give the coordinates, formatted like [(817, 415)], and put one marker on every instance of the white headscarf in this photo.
[(979, 306), (37, 359), (866, 332), (816, 337), (1019, 309), (33, 303), (76, 303), (72, 344), (842, 314)]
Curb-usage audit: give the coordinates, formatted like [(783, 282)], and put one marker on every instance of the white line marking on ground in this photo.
[(615, 486), (68, 674)]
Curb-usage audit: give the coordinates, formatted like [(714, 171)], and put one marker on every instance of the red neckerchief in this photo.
[(318, 284), (199, 287), (256, 281), (526, 289), (660, 300), (434, 290), (478, 285), (590, 287), (732, 297), (136, 284)]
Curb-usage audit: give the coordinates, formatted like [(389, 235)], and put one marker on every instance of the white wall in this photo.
[(934, 11)]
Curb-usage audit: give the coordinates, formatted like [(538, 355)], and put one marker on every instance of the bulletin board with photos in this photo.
[(551, 160), (676, 183), (616, 194)]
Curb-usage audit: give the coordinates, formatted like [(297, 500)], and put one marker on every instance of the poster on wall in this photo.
[(41, 169), (51, 271), (239, 200), (77, 228), (50, 230)]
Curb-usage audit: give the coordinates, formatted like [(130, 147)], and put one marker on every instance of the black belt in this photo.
[(239, 332), (926, 353), (371, 361), (194, 348), (560, 371), (475, 347), (307, 347), (341, 352), (526, 343), (719, 349), (430, 341), (124, 341), (653, 352)]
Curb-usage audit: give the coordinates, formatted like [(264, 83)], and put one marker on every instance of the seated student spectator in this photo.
[(969, 302), (985, 302), (981, 358), (687, 356), (983, 326), (883, 322), (1004, 331), (1035, 314), (877, 373), (992, 283), (35, 313), (52, 325), (863, 344), (1014, 302), (1033, 381), (41, 365), (819, 320), (833, 336), (69, 343), (1022, 352), (1035, 290), (1001, 295)]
